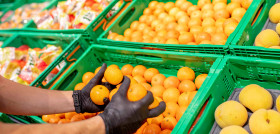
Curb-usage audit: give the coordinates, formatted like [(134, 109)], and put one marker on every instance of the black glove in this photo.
[(82, 100), (122, 116)]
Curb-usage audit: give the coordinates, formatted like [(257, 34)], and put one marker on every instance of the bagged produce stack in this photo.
[(21, 16), (72, 14), (24, 64)]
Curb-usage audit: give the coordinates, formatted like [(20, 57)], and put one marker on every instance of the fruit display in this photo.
[(21, 16), (177, 92), (66, 117), (24, 64), (262, 116), (184, 23), (269, 38), (73, 14)]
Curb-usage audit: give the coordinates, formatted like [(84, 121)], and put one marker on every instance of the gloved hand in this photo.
[(82, 100), (122, 116)]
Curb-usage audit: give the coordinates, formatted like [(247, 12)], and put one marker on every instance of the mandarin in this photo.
[(77, 117), (171, 95), (185, 73), (141, 129), (139, 70), (62, 121), (165, 131), (150, 73), (147, 86), (186, 38), (139, 79), (186, 86), (98, 94), (113, 75), (87, 77), (194, 22), (157, 90), (202, 36), (152, 129), (112, 93), (171, 81), (171, 109), (158, 79), (136, 92), (180, 112), (79, 86), (168, 123), (172, 41), (127, 69), (233, 5), (199, 80), (223, 13)]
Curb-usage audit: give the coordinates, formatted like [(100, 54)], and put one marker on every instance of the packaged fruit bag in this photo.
[(24, 64), (184, 23), (73, 14), (21, 16), (176, 91)]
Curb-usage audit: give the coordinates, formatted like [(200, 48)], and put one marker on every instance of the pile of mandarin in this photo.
[(184, 23), (176, 92)]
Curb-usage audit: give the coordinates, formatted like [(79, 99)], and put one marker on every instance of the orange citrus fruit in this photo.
[(238, 12), (186, 38), (184, 20), (172, 41), (194, 22), (79, 86), (233, 5), (154, 104), (171, 81), (134, 25), (139, 70), (219, 6), (209, 29), (202, 36), (180, 112), (97, 70), (112, 36), (208, 22), (113, 66), (168, 6), (112, 93), (152, 129), (165, 131), (62, 121), (158, 79), (113, 75), (77, 117), (171, 109), (199, 80), (185, 6), (54, 120), (229, 28), (168, 123), (171, 95), (208, 14), (87, 77), (183, 99), (46, 118), (127, 69), (222, 13), (186, 86), (185, 73), (201, 3), (98, 94), (119, 38), (69, 115), (139, 79), (157, 90), (136, 92), (246, 3), (150, 73), (147, 86), (156, 120)]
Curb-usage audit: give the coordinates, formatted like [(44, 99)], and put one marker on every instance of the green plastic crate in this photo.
[(242, 45), (167, 63), (17, 4), (73, 47), (135, 10), (93, 30), (233, 72)]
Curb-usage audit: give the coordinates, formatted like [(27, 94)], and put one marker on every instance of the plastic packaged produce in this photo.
[(24, 64), (72, 14), (19, 17)]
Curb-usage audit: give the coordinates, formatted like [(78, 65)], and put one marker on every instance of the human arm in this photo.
[(93, 125), (18, 99)]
